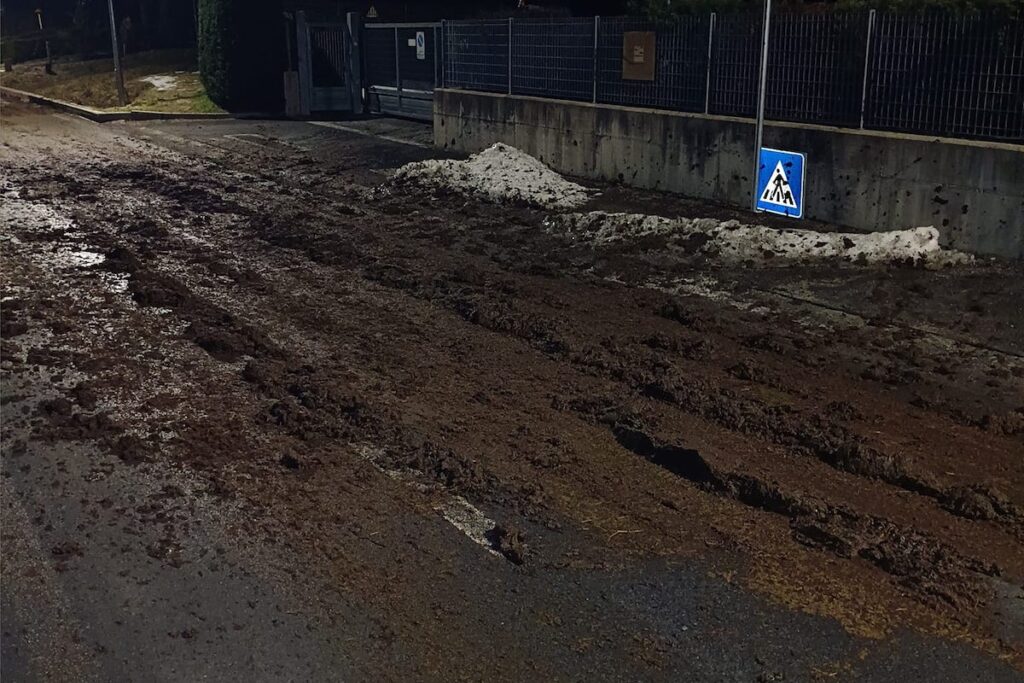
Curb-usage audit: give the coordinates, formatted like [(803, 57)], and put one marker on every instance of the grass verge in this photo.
[(159, 80)]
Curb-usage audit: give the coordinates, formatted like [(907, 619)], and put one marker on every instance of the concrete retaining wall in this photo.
[(973, 192)]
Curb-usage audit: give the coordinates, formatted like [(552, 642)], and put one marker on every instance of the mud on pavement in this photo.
[(346, 361)]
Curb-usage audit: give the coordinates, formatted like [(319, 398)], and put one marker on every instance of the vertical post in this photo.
[(305, 66), (707, 79), (46, 42), (122, 95), (355, 61), (597, 28), (759, 127), (288, 41), (437, 49), (510, 55), (443, 45), (867, 65), (398, 72)]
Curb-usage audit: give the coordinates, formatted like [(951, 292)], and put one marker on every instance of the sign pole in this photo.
[(122, 96), (758, 134), (49, 59)]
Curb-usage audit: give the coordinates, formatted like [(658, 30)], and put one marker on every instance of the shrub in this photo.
[(240, 53)]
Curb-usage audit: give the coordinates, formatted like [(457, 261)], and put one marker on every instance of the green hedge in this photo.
[(241, 53)]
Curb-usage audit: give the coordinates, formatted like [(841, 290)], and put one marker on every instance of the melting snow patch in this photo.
[(499, 174), (734, 241), (161, 82)]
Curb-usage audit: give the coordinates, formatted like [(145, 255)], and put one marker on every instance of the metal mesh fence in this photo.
[(816, 68), (735, 58), (553, 58), (477, 55), (933, 74), (957, 76), (680, 73), (391, 49)]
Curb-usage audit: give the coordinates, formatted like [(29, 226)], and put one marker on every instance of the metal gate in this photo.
[(329, 74), (401, 66)]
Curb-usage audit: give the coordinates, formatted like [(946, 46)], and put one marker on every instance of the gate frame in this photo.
[(353, 61), (435, 28)]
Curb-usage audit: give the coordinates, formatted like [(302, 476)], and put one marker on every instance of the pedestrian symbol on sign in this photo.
[(780, 183), (778, 190)]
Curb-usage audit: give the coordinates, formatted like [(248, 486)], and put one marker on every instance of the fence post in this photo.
[(510, 55), (707, 79), (444, 53), (305, 68), (762, 95), (867, 65), (597, 27), (355, 61), (398, 72)]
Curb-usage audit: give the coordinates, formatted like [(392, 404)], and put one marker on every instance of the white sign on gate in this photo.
[(421, 45)]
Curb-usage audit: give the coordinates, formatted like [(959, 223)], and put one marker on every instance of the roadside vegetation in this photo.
[(158, 80), (240, 53)]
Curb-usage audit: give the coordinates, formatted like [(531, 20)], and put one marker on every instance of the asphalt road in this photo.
[(263, 420)]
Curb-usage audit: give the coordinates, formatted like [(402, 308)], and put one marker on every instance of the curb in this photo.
[(101, 116)]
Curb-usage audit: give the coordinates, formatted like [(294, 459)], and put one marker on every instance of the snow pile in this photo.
[(734, 241), (752, 242), (499, 174)]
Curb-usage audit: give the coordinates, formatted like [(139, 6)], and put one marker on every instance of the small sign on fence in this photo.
[(780, 183), (638, 55), (421, 45)]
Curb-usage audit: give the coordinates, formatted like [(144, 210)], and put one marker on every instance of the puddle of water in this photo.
[(65, 255)]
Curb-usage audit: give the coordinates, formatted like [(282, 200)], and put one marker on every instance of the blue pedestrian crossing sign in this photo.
[(780, 183)]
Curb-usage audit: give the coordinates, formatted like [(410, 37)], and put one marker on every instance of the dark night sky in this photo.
[(19, 14)]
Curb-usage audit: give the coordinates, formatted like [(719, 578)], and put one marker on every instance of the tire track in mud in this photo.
[(321, 407), (519, 249), (315, 403), (838, 530), (928, 567), (317, 407), (311, 408), (293, 228), (923, 564), (305, 405), (816, 435)]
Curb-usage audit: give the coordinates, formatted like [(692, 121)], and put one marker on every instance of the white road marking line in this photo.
[(382, 136), (456, 510), (462, 515)]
